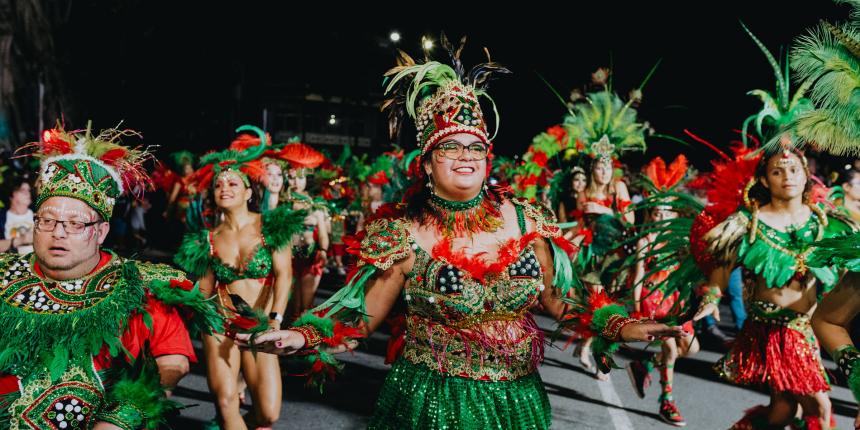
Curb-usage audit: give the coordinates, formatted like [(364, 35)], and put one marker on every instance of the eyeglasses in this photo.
[(454, 150), (48, 225)]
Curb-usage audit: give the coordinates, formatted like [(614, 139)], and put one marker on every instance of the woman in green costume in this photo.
[(245, 262), (471, 263)]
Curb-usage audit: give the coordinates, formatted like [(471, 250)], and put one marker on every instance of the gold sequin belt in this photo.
[(491, 346)]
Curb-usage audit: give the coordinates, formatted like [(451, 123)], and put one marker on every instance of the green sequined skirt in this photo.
[(416, 397)]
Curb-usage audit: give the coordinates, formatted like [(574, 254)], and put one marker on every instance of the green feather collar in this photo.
[(44, 324)]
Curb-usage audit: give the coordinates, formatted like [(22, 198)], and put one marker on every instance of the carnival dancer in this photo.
[(830, 127), (90, 339), (650, 272), (471, 263), (771, 238), (603, 126), (311, 246), (246, 262)]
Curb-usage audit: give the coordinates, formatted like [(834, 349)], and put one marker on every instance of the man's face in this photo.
[(785, 176), (62, 249)]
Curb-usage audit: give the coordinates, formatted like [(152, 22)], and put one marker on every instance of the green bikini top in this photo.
[(197, 254), (257, 265)]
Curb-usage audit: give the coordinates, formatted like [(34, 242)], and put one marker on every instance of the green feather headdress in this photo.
[(245, 161), (442, 99), (780, 108), (605, 125), (94, 168)]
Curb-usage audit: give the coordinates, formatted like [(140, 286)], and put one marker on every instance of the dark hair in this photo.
[(253, 202), (762, 195), (15, 184), (848, 175)]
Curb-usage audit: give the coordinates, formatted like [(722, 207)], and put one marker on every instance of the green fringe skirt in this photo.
[(417, 397)]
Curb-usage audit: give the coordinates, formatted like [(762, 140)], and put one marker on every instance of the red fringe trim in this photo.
[(777, 356), (477, 265)]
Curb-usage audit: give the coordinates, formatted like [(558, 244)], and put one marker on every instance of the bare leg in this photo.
[(309, 284), (222, 372), (263, 375), (781, 410)]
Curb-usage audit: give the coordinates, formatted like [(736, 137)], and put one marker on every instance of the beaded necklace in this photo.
[(453, 218)]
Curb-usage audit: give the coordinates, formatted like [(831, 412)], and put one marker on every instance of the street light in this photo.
[(394, 36), (332, 120), (427, 43)]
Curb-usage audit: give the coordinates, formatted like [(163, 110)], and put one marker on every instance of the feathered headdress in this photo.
[(298, 155), (604, 125), (779, 109), (535, 171), (243, 157), (828, 59), (660, 178), (182, 158), (442, 99), (96, 169)]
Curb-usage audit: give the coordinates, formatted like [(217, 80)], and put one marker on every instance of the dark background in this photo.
[(186, 73)]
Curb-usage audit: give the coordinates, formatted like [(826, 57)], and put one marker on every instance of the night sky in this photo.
[(172, 71)]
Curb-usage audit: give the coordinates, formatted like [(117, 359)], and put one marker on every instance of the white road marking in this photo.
[(619, 417)]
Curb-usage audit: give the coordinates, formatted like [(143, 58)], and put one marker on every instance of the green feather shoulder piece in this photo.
[(173, 288), (194, 253), (281, 224)]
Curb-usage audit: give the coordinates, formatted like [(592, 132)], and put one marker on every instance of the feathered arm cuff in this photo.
[(848, 359), (318, 332), (603, 319), (137, 399)]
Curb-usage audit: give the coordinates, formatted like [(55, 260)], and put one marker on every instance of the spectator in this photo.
[(16, 220)]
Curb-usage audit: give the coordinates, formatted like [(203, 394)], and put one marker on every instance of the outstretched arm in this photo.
[(835, 313), (831, 321), (711, 293)]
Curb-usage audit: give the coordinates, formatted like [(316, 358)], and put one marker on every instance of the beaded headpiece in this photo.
[(96, 169), (442, 99)]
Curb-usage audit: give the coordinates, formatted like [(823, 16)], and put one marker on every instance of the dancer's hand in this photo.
[(596, 208), (707, 309), (648, 332), (281, 342), (857, 421)]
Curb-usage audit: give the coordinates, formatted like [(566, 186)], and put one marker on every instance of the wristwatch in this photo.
[(276, 316)]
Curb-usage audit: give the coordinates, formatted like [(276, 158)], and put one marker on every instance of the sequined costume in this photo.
[(472, 346), (75, 352), (197, 254), (64, 363), (306, 257), (776, 346)]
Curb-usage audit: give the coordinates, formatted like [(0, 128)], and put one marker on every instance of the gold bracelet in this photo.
[(311, 334)]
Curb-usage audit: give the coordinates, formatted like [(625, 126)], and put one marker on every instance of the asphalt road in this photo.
[(578, 400)]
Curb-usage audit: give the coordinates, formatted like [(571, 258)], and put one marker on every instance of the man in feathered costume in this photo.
[(89, 339)]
